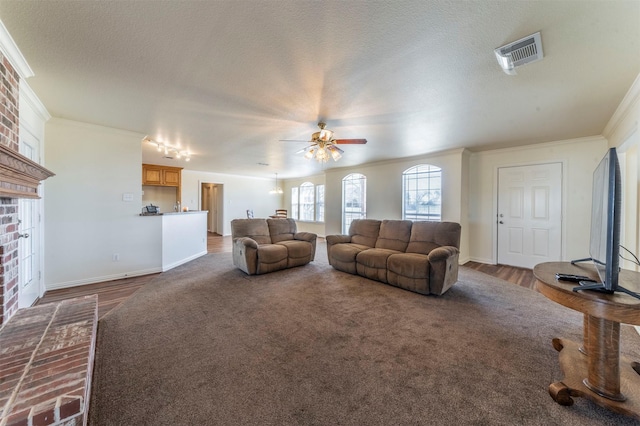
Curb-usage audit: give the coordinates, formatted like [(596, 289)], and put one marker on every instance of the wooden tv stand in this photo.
[(595, 370)]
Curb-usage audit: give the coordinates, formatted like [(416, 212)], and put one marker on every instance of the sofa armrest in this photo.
[(305, 236), (333, 240), (247, 242), (443, 271), (245, 254), (442, 253), (337, 239)]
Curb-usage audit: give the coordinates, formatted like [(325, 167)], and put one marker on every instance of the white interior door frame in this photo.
[(215, 216), (30, 247), (494, 230)]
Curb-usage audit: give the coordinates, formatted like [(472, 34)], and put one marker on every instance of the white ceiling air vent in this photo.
[(520, 52)]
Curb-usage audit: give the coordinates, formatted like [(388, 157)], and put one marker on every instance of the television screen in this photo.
[(604, 246)]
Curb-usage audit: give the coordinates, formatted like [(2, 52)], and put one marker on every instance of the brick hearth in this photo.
[(46, 363)]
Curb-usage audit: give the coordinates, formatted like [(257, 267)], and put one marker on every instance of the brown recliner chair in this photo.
[(261, 246)]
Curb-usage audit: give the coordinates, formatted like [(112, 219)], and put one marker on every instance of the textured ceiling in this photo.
[(229, 79)]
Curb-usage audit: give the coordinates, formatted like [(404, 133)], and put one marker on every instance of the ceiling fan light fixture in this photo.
[(322, 155), (336, 153), (309, 154), (323, 145)]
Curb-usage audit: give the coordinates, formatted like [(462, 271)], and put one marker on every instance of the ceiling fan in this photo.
[(323, 145)]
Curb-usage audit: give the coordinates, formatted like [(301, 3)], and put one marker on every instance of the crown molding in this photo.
[(10, 50), (631, 98), (29, 96)]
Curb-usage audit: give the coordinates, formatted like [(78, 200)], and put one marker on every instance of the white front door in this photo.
[(529, 214), (29, 240)]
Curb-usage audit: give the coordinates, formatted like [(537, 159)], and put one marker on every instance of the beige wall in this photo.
[(622, 132), (384, 190), (87, 218), (239, 194), (579, 157)]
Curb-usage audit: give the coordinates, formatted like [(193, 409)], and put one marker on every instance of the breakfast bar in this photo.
[(184, 236)]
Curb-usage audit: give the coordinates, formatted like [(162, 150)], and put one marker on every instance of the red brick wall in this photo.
[(9, 124)]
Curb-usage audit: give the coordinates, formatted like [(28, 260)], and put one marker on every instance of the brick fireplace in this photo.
[(9, 95), (19, 178)]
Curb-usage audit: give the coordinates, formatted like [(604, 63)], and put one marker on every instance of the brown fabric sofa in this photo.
[(266, 245), (417, 256)]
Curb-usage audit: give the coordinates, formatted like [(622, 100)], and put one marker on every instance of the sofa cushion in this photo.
[(364, 232), (425, 236), (347, 252), (394, 235), (372, 263), (410, 271), (256, 229), (413, 265), (299, 252), (343, 256), (375, 258), (281, 229), (271, 253)]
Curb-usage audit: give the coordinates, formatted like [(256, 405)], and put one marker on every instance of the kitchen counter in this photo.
[(168, 213), (184, 236)]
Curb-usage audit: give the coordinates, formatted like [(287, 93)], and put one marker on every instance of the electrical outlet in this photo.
[(115, 257)]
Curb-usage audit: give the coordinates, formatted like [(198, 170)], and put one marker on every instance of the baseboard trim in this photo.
[(480, 260), (94, 280), (183, 261)]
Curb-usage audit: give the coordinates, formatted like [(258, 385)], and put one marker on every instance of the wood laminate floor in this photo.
[(113, 293)]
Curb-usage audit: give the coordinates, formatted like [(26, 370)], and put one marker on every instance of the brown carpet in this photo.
[(204, 344)]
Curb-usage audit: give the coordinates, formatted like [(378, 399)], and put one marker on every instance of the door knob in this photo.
[(501, 222), (25, 235)]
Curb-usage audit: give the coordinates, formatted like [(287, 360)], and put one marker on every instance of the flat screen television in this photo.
[(604, 241)]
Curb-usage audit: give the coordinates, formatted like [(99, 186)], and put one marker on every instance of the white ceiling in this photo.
[(229, 79)]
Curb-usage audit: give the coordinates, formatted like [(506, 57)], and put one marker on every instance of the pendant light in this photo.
[(276, 189)]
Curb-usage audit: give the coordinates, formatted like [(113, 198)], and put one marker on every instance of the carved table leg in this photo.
[(603, 347), (560, 393), (585, 338)]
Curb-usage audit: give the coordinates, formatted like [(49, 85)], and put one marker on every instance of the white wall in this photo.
[(239, 195), (86, 219), (579, 158), (622, 132)]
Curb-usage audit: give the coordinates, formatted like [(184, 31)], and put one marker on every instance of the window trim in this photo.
[(360, 214), (416, 171), (296, 205)]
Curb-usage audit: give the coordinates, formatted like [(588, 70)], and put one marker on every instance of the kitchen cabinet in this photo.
[(156, 175)]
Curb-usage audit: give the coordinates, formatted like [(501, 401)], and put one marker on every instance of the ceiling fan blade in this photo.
[(294, 140), (350, 141)]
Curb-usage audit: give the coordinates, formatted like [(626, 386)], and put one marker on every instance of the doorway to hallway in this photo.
[(211, 200)]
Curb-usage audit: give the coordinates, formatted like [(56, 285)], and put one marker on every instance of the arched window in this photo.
[(422, 193), (354, 199)]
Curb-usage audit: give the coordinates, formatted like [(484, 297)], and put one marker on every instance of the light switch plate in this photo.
[(127, 196)]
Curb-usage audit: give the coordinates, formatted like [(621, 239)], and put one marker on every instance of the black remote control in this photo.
[(573, 278)]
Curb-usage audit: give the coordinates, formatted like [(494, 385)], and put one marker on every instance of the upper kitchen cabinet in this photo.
[(161, 175)]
